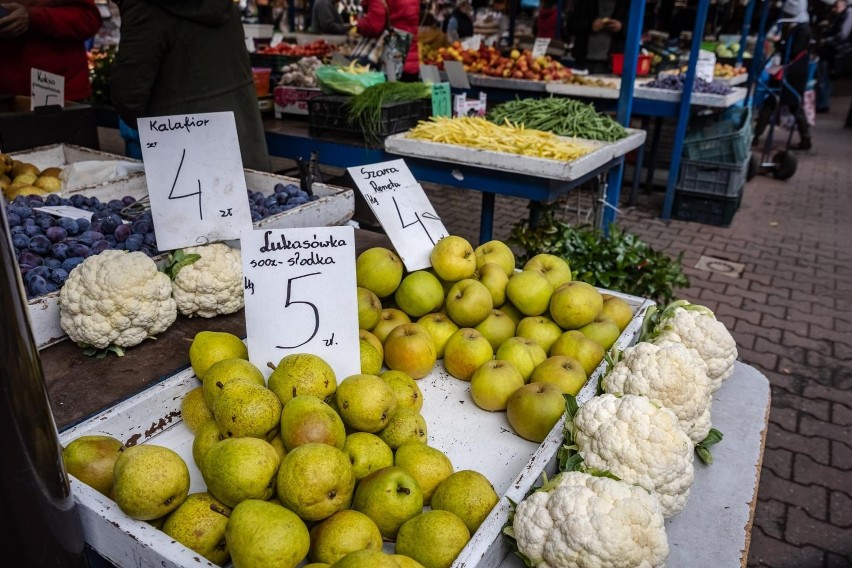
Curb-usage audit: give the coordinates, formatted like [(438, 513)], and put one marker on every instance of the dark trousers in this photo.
[(765, 116)]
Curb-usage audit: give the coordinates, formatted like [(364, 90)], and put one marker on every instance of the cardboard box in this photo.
[(293, 100), (462, 106), (21, 128)]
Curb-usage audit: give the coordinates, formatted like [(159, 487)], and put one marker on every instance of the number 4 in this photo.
[(174, 183)]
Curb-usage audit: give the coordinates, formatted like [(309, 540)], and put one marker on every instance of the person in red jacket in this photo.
[(404, 15), (48, 35)]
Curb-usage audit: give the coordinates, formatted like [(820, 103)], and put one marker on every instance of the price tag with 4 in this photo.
[(195, 177), (300, 296)]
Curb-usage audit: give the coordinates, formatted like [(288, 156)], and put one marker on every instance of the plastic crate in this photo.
[(706, 209), (713, 178), (331, 113), (728, 141)]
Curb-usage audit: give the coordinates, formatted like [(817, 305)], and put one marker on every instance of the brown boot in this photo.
[(804, 144)]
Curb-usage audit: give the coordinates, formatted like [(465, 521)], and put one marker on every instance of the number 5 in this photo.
[(288, 302)]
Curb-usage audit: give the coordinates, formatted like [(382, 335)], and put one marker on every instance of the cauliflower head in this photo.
[(695, 326), (213, 284), (116, 298), (638, 442), (671, 375), (584, 521)]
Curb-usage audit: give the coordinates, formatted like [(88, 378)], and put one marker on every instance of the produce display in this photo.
[(479, 133), (365, 109), (675, 83), (559, 115), (20, 178), (491, 62), (318, 48), (724, 70), (590, 81), (300, 73)]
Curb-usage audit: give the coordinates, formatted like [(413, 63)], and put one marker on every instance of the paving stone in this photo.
[(803, 529), (769, 552), (837, 561), (812, 427), (840, 509), (820, 409), (808, 472), (816, 448), (780, 461), (841, 415)]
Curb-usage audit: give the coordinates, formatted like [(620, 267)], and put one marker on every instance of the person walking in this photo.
[(835, 45)]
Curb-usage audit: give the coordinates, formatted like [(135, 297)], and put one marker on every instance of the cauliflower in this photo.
[(638, 442), (116, 298), (208, 280), (695, 326), (579, 520), (671, 375)]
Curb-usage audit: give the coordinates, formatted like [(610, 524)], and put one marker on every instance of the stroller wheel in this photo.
[(753, 167), (785, 165)]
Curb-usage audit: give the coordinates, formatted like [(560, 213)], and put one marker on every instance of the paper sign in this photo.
[(250, 47), (456, 74), (65, 211), (403, 210), (277, 38), (540, 47), (300, 296), (47, 89), (195, 178), (441, 100), (472, 42), (430, 74)]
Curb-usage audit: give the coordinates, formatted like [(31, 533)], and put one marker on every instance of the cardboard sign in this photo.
[(403, 210), (540, 47), (277, 38), (47, 89), (250, 47), (430, 74), (195, 178), (456, 74), (472, 42), (441, 97), (300, 296)]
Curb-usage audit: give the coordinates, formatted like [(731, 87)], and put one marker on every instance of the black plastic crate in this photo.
[(706, 209), (330, 113)]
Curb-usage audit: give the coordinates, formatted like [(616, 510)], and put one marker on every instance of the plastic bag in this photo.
[(333, 79), (91, 172)]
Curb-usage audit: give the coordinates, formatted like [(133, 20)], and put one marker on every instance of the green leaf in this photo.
[(601, 473), (702, 448), (573, 463), (177, 260), (90, 351)]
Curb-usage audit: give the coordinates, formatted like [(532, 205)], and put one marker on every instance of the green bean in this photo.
[(562, 116)]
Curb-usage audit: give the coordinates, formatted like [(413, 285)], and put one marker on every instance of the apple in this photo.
[(540, 329), (493, 383), (617, 310), (495, 280), (574, 344), (555, 269), (602, 330), (469, 302), (419, 293), (453, 259), (530, 292), (372, 340), (389, 496), (510, 310), (574, 304), (465, 351), (564, 372), (390, 318), (379, 270), (525, 354), (440, 327), (369, 308), (496, 252), (534, 409), (496, 328), (410, 348)]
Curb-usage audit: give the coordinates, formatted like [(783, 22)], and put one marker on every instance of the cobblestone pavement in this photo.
[(791, 314)]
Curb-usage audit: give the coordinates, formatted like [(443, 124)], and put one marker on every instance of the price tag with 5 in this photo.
[(300, 296), (195, 177)]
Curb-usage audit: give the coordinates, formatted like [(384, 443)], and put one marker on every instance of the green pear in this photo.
[(433, 538), (207, 436), (199, 524), (262, 534), (315, 481), (245, 409), (150, 481), (367, 453), (237, 469), (406, 425), (389, 496), (226, 371), (405, 389), (302, 373), (91, 459), (306, 419), (365, 402), (209, 347), (194, 410)]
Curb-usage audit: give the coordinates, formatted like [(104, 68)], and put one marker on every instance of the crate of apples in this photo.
[(491, 62)]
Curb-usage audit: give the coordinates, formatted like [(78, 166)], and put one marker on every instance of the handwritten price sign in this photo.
[(195, 178), (46, 89), (300, 296), (402, 208)]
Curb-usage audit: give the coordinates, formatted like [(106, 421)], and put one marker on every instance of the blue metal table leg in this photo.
[(637, 168), (652, 158), (486, 217)]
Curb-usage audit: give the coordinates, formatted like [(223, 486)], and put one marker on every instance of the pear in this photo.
[(307, 419), (193, 410), (225, 371), (91, 458), (261, 534), (237, 469), (199, 524), (302, 373), (245, 409), (150, 481), (315, 481), (209, 347), (207, 436), (406, 425)]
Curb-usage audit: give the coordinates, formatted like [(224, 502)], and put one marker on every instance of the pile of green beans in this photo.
[(560, 115)]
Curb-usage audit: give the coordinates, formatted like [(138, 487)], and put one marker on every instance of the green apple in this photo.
[(390, 318), (380, 270), (419, 293), (555, 269), (493, 383), (602, 330), (540, 329), (370, 338), (530, 292), (389, 496), (574, 304), (369, 308), (453, 259), (510, 310), (534, 409), (496, 252), (617, 310), (497, 328), (564, 372), (465, 351), (495, 280), (469, 302), (440, 327), (410, 348), (525, 354), (574, 344)]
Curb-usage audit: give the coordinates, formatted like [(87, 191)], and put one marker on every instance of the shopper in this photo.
[(835, 46), (459, 24), (546, 19), (400, 14), (47, 35), (598, 28), (188, 57), (326, 18)]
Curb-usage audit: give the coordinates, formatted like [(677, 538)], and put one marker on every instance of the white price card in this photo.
[(195, 178), (277, 38), (540, 47), (47, 89), (68, 211), (403, 210), (300, 296), (456, 74)]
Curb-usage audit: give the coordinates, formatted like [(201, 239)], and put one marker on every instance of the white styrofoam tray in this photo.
[(510, 83), (471, 438), (335, 206), (697, 99), (527, 165), (572, 89)]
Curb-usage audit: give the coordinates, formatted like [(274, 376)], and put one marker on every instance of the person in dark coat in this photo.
[(835, 45), (326, 18), (459, 24), (188, 57), (598, 28)]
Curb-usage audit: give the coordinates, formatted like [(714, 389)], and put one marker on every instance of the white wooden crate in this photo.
[(472, 438)]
